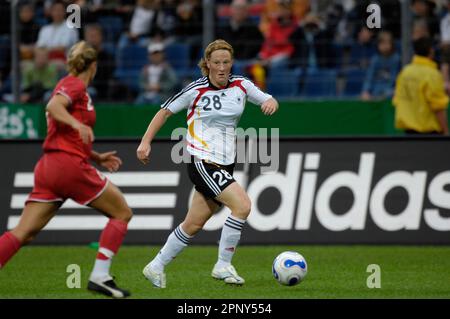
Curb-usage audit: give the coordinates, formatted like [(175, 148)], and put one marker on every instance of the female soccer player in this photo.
[(64, 172), (214, 105)]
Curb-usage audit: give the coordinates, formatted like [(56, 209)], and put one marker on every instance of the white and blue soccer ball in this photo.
[(289, 268)]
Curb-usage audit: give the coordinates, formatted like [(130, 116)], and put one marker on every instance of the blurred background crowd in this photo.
[(149, 49)]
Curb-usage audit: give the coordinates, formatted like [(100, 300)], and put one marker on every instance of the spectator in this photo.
[(189, 26), (241, 33), (420, 29), (105, 62), (28, 30), (424, 10), (445, 43), (149, 20), (277, 47), (383, 69), (390, 16), (312, 45), (38, 78), (57, 37), (119, 8), (298, 8), (363, 49), (445, 25), (445, 65), (5, 46), (420, 100), (158, 79), (336, 23)]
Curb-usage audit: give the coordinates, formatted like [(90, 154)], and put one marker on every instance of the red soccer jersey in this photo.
[(62, 137)]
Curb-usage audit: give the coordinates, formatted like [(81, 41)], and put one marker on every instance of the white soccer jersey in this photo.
[(213, 115)]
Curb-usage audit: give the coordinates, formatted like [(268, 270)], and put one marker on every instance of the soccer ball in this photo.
[(289, 268)]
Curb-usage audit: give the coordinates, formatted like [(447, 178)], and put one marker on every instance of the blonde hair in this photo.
[(81, 56), (218, 44)]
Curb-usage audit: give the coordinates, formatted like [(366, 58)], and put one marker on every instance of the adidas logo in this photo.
[(223, 94)]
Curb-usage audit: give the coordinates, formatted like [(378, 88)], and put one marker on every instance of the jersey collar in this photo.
[(212, 86)]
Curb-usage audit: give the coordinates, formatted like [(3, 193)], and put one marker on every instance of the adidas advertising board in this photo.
[(334, 190)]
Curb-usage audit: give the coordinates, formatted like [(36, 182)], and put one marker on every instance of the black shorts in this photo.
[(210, 179)]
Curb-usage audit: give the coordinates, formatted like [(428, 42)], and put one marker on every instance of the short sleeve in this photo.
[(254, 94), (71, 90), (179, 101)]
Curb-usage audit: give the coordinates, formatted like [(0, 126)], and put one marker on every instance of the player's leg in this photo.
[(237, 200), (34, 217), (111, 203), (200, 211)]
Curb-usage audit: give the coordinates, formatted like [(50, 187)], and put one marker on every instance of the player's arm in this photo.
[(442, 119), (269, 105), (143, 151), (57, 109), (438, 99)]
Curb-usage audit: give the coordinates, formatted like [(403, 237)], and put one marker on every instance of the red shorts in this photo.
[(60, 175)]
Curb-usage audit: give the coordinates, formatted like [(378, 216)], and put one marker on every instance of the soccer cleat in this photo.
[(108, 287), (158, 279), (228, 274)]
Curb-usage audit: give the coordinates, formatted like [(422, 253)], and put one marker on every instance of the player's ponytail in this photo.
[(218, 44), (80, 57)]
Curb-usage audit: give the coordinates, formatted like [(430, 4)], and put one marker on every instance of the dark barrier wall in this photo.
[(335, 190), (294, 118)]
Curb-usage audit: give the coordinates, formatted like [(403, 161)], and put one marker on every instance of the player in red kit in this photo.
[(64, 172)]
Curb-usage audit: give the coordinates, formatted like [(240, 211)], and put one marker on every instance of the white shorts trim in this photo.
[(208, 179), (98, 194)]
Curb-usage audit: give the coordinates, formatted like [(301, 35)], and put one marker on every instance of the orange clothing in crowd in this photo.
[(299, 9)]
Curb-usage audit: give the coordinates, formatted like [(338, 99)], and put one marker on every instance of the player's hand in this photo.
[(143, 152), (85, 132), (269, 107), (110, 161)]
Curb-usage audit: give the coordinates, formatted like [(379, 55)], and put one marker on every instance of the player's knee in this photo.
[(244, 209), (125, 215)]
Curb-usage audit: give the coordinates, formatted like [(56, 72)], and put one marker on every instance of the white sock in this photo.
[(174, 245), (102, 266), (231, 234)]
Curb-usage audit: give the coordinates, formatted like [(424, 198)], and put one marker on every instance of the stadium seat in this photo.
[(112, 27), (354, 79), (178, 56), (5, 48), (283, 82), (360, 55), (130, 61), (320, 83)]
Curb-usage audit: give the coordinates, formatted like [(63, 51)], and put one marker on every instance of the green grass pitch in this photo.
[(334, 272)]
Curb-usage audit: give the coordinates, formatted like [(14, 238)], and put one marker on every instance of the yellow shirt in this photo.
[(419, 93)]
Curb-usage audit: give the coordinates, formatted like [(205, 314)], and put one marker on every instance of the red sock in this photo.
[(9, 245), (112, 237)]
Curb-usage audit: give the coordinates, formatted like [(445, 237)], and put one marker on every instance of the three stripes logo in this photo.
[(23, 183)]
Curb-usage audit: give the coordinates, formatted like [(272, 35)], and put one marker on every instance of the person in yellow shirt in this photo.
[(420, 99)]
